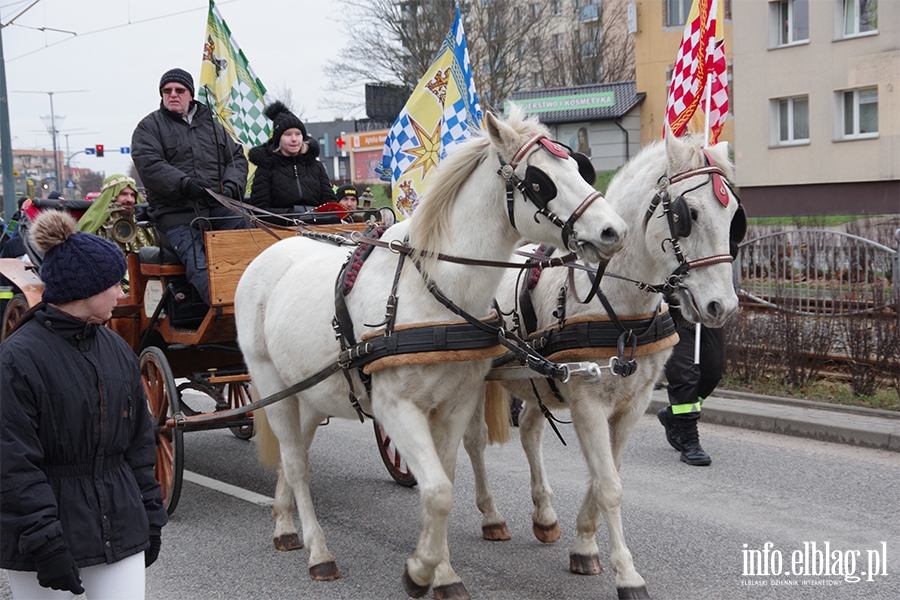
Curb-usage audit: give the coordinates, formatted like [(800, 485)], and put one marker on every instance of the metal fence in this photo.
[(819, 272)]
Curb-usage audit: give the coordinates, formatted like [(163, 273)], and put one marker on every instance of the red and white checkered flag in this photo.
[(689, 77), (718, 105)]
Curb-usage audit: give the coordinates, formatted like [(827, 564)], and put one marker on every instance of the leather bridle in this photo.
[(678, 217), (537, 187)]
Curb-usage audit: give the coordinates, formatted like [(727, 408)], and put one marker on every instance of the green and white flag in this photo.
[(229, 86)]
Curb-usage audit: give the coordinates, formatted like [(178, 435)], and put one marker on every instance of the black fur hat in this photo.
[(282, 120)]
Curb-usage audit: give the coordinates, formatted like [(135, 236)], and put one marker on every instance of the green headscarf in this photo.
[(94, 218)]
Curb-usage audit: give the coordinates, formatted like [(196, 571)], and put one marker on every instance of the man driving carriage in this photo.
[(179, 151)]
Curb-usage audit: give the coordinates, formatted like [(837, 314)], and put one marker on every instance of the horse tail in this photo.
[(267, 449), (496, 413)]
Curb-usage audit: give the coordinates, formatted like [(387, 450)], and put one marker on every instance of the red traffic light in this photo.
[(99, 149), (340, 143)]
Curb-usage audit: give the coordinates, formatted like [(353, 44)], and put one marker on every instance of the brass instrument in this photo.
[(120, 227)]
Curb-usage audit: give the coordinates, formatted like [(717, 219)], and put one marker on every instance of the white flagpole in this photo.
[(705, 143)]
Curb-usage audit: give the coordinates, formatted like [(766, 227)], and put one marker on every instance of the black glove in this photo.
[(152, 553), (196, 189), (58, 571)]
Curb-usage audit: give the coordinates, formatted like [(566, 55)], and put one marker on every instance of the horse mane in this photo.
[(430, 223)]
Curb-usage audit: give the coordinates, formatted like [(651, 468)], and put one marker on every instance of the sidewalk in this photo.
[(865, 427)]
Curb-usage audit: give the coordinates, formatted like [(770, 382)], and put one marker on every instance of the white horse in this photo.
[(605, 413), (284, 307)]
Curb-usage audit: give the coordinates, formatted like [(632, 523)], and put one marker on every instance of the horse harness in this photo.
[(472, 333)]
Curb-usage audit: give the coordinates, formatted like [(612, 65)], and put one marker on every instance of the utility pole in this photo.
[(9, 181), (54, 133)]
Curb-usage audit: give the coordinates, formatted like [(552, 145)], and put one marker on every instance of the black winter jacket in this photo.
[(282, 182), (168, 152), (77, 447)]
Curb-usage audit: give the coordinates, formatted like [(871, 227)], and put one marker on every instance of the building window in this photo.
[(486, 67), (536, 11), (559, 42), (677, 12), (792, 21), (859, 17), (537, 80), (556, 7), (859, 113), (792, 120)]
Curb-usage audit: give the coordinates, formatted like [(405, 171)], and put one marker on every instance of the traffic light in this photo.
[(99, 149)]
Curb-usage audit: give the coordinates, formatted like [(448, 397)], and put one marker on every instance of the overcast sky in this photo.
[(122, 48)]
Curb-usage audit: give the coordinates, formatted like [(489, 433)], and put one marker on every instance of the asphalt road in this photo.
[(686, 526)]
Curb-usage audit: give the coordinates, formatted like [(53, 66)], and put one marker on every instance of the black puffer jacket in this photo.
[(282, 182), (77, 447), (168, 152)]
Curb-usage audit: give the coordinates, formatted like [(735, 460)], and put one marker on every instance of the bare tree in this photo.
[(513, 45), (90, 181), (394, 42), (133, 173)]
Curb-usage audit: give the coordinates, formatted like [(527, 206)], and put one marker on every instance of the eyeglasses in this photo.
[(168, 91)]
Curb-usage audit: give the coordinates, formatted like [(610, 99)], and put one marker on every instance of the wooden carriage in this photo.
[(182, 343)]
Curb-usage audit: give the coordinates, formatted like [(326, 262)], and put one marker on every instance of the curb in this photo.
[(856, 426)]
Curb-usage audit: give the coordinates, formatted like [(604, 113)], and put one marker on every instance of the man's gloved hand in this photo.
[(58, 572), (152, 553), (195, 189)]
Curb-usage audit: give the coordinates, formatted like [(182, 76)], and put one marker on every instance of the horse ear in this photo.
[(498, 131), (677, 153)]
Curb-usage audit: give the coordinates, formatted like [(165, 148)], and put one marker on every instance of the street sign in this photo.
[(90, 151), (125, 150), (70, 184)]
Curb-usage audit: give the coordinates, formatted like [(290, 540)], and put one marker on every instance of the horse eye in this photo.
[(693, 214)]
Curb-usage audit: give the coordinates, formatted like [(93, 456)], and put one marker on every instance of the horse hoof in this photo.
[(452, 591), (287, 542), (498, 532), (633, 593), (546, 533), (583, 564), (413, 589), (326, 571)]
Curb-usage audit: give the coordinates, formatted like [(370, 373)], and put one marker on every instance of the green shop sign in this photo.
[(560, 103)]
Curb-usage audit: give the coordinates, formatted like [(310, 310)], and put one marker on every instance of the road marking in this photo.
[(227, 488)]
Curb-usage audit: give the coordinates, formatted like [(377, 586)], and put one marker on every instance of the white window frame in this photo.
[(776, 120), (776, 23), (840, 20), (685, 7), (841, 113), (559, 42), (556, 7)]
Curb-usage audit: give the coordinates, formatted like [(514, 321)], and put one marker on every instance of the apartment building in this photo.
[(817, 112)]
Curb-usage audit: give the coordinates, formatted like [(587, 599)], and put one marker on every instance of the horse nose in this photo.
[(715, 310), (612, 238)]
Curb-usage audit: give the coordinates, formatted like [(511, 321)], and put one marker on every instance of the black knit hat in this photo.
[(177, 76), (76, 265), (347, 190), (282, 120)]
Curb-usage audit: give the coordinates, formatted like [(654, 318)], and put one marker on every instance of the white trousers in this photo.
[(123, 580)]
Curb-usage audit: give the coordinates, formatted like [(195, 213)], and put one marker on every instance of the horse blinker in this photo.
[(538, 186)]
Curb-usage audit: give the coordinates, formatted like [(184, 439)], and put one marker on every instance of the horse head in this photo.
[(696, 219), (548, 196)]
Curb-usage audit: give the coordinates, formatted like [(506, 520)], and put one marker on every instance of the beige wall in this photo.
[(656, 47), (819, 68)]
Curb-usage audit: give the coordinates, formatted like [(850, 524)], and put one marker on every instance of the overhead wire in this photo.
[(104, 29)]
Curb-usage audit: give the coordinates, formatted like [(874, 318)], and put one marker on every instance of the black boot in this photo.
[(691, 451), (667, 419)]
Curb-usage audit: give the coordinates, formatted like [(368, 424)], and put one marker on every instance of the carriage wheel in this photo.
[(230, 395), (237, 393), (163, 398), (395, 464), (15, 308)]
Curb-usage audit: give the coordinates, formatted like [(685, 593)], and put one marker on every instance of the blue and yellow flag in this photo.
[(442, 111), (229, 86)]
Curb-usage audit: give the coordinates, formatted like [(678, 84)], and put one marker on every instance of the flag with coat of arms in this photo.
[(693, 64), (229, 86), (443, 110)]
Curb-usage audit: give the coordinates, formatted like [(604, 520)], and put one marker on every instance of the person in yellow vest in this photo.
[(111, 215)]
